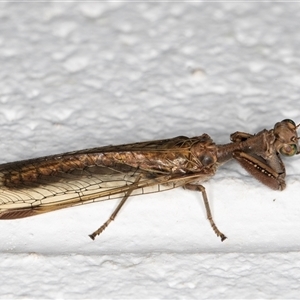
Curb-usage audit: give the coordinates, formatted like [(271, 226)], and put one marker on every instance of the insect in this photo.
[(35, 186)]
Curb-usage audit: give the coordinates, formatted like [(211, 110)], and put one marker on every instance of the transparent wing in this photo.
[(78, 187)]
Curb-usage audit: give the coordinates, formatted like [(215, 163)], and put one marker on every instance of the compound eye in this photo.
[(289, 150), (289, 121)]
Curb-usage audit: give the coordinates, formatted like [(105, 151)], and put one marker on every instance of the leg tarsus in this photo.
[(201, 188), (100, 229), (114, 214)]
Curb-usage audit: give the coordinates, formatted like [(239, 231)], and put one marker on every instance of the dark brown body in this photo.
[(180, 155)]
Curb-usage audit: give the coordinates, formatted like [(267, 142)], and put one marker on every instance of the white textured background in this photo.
[(76, 75)]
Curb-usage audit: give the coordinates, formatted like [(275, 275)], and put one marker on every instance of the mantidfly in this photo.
[(36, 186)]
